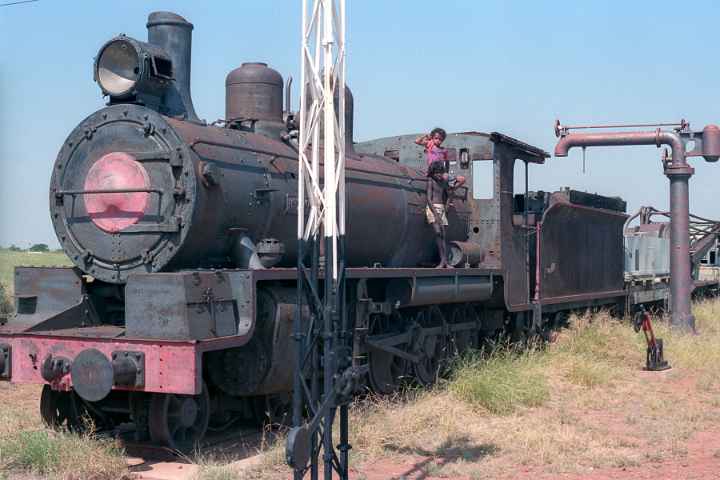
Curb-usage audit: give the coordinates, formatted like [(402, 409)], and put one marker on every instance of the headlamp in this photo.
[(127, 68)]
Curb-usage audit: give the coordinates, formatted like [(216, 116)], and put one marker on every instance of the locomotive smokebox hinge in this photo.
[(88, 257), (149, 129), (89, 132), (5, 360)]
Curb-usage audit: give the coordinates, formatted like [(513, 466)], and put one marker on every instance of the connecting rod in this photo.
[(678, 172)]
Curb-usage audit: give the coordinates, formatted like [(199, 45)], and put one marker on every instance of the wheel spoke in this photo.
[(166, 419)]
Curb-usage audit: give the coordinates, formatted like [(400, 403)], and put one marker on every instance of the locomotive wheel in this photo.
[(179, 421), (65, 410), (386, 370), (431, 348)]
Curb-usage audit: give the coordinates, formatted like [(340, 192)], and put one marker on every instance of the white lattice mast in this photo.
[(321, 210), (322, 74)]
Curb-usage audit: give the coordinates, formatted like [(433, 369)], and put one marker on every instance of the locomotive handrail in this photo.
[(60, 193), (170, 227)]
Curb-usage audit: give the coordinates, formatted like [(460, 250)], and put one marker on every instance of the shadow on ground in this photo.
[(450, 451)]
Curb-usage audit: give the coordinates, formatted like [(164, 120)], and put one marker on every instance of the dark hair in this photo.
[(439, 130), (436, 168)]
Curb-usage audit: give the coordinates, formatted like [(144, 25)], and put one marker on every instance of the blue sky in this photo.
[(501, 66)]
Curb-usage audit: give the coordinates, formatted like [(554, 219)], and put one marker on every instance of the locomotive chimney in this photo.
[(173, 33), (349, 115)]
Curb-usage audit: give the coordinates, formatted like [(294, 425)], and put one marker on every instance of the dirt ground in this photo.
[(657, 425), (702, 462), (681, 454)]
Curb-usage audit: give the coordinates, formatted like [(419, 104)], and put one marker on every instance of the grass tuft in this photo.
[(698, 352), (599, 338), (501, 381), (587, 372), (33, 450), (217, 472), (6, 305), (60, 455)]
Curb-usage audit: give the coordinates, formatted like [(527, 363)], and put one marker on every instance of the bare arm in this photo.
[(422, 140)]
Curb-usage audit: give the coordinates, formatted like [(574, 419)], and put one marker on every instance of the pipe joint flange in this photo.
[(674, 170)]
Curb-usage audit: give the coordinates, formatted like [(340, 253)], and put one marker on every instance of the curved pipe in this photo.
[(678, 172), (658, 137)]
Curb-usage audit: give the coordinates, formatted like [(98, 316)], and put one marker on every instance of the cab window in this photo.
[(483, 184)]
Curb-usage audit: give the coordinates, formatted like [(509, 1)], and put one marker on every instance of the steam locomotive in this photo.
[(178, 309)]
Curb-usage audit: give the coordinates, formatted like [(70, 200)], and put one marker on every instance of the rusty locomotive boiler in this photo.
[(178, 310)]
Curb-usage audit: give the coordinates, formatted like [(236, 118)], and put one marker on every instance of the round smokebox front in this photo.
[(122, 193)]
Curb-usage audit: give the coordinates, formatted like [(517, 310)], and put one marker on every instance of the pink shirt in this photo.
[(435, 154)]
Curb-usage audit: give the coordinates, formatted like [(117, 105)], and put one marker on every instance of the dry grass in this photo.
[(29, 450), (581, 403), (265, 458)]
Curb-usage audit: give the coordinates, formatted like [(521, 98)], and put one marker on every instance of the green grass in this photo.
[(600, 338), (501, 381), (698, 353), (595, 350), (6, 304), (591, 353), (31, 450), (9, 260), (59, 455)]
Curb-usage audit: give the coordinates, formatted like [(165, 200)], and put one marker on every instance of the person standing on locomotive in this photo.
[(436, 153), (440, 186), (437, 194)]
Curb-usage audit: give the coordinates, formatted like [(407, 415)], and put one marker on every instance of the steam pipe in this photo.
[(678, 172), (173, 33)]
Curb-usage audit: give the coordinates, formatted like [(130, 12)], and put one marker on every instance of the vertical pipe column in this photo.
[(681, 282)]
